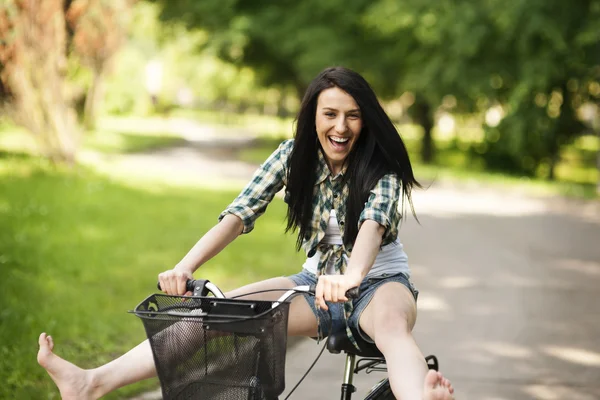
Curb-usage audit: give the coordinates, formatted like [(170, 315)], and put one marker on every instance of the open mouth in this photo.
[(338, 143)]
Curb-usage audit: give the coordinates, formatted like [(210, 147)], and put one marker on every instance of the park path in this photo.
[(509, 285)]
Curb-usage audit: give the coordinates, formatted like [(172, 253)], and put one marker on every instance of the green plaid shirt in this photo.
[(330, 193), (271, 177)]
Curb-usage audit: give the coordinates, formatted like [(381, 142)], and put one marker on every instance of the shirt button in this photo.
[(342, 223), (335, 196)]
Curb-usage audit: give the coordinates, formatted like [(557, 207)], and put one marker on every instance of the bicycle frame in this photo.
[(380, 391), (350, 367)]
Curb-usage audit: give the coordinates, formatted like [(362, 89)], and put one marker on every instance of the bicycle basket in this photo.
[(218, 349)]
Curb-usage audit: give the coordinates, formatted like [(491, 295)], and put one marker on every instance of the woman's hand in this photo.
[(333, 288), (173, 281)]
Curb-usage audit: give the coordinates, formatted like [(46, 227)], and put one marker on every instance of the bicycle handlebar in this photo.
[(198, 287), (350, 293)]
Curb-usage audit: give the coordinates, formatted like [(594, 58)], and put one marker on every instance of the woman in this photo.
[(345, 173)]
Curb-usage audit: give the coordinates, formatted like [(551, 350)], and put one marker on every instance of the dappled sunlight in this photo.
[(520, 281), (143, 125), (459, 282), (589, 268), (552, 392), (479, 358), (428, 302), (443, 202), (574, 355), (505, 349), (502, 359), (144, 172)]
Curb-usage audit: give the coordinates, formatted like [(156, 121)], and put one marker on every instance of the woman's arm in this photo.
[(365, 250), (215, 240), (239, 217), (366, 247)]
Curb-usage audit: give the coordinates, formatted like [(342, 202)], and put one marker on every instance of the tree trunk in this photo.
[(423, 116), (552, 170), (35, 76), (92, 100)]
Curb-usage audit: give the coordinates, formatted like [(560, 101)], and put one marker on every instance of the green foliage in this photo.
[(125, 89), (537, 59), (191, 74), (78, 250), (551, 65), (302, 37)]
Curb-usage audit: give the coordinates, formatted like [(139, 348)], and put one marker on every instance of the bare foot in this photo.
[(437, 387), (72, 381)]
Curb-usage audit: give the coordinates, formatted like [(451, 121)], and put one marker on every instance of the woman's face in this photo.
[(339, 123)]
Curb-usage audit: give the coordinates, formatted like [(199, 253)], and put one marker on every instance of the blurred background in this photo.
[(127, 126)]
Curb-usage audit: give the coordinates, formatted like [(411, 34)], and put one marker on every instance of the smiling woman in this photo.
[(346, 175), (338, 125)]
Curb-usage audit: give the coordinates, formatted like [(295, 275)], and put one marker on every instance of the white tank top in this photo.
[(391, 258)]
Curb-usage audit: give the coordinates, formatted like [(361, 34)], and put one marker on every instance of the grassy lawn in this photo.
[(109, 139), (114, 142), (78, 250)]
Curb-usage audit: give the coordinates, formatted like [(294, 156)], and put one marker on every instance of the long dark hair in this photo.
[(379, 150)]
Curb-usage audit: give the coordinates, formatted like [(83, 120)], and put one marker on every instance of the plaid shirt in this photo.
[(330, 193)]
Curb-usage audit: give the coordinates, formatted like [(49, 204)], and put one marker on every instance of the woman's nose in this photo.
[(340, 125)]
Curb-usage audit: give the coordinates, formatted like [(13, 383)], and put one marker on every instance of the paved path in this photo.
[(510, 290)]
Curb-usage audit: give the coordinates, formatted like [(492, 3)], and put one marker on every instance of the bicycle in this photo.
[(237, 347)]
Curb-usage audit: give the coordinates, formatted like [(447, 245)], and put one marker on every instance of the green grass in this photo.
[(112, 139), (78, 250), (115, 142)]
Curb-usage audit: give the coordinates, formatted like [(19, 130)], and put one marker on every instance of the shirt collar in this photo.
[(323, 169)]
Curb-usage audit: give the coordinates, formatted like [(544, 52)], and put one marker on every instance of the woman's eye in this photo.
[(354, 116), (330, 114)]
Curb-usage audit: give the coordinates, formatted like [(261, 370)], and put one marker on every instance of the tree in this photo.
[(535, 59), (98, 30), (286, 42), (394, 44), (36, 40), (33, 58), (552, 52)]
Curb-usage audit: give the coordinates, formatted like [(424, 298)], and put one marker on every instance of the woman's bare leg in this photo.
[(303, 323), (389, 319), (138, 364), (76, 383)]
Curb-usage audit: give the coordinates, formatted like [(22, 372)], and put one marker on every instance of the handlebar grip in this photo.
[(189, 285), (350, 293), (353, 293)]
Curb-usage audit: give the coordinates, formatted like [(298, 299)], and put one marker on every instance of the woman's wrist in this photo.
[(185, 268), (355, 275)]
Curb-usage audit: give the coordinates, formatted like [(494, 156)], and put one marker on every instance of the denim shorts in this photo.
[(335, 315)]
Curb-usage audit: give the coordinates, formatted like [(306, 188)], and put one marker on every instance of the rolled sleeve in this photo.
[(268, 179), (382, 205)]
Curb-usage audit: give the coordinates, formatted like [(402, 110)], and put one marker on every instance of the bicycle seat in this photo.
[(338, 342)]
